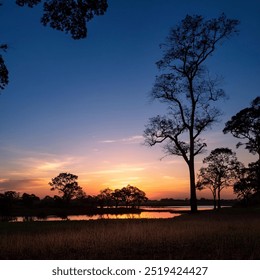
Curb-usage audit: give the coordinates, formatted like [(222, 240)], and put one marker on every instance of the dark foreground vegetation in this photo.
[(224, 234)]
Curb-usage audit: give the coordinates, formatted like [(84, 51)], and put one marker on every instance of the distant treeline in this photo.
[(106, 202), (126, 200), (186, 202), (73, 200)]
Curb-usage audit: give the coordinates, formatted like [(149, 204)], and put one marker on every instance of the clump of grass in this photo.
[(223, 235)]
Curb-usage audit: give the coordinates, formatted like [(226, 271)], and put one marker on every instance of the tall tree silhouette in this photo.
[(221, 171), (245, 125), (188, 90)]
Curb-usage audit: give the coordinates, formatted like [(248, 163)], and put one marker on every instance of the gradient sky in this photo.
[(81, 106)]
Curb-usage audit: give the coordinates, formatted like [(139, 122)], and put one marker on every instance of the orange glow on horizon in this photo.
[(99, 169), (155, 187)]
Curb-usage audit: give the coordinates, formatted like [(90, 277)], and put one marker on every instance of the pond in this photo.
[(147, 213)]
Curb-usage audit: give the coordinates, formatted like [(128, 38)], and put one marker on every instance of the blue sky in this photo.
[(81, 106)]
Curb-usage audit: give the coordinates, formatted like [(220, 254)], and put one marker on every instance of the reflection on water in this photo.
[(149, 213), (142, 215)]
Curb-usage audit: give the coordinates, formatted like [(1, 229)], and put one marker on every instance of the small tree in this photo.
[(105, 197), (29, 199), (67, 185), (188, 90), (132, 196), (7, 200), (139, 197), (221, 172), (206, 181)]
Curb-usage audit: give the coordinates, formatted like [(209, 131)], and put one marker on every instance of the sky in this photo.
[(82, 106)]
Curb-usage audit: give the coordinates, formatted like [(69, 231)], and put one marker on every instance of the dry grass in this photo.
[(230, 234)]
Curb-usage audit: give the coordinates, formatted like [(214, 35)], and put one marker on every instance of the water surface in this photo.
[(164, 212)]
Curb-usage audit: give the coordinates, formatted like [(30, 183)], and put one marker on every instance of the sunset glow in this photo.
[(101, 168), (81, 106)]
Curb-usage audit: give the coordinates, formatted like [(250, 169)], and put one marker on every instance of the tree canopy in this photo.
[(249, 182), (68, 16), (245, 125), (187, 88), (130, 196)]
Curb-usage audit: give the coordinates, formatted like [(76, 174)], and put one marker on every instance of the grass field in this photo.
[(228, 234)]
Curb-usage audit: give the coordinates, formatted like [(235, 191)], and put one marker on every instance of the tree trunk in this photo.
[(219, 206), (193, 198), (215, 201)]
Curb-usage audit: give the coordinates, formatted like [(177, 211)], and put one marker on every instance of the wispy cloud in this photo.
[(166, 177), (55, 165), (29, 163), (23, 185), (129, 140), (119, 170)]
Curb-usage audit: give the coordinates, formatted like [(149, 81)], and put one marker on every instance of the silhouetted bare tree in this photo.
[(188, 90), (222, 171)]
